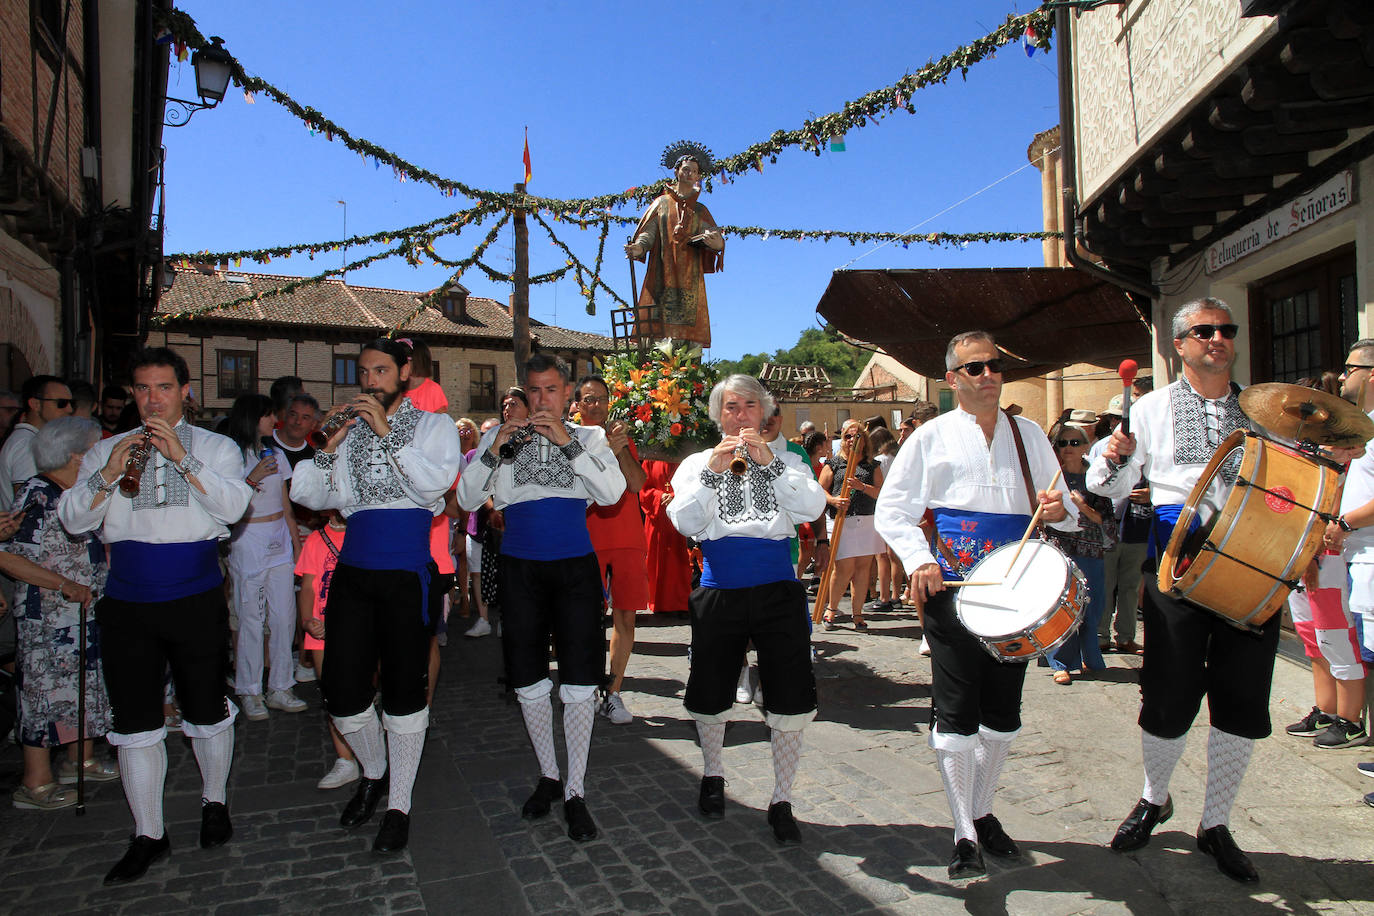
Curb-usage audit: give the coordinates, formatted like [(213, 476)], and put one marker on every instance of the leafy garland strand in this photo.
[(904, 238), (811, 136), (573, 261)]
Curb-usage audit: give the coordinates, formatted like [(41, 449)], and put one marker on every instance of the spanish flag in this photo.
[(528, 174)]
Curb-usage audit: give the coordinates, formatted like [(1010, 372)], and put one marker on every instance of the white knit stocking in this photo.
[(1227, 757), (1160, 756), (369, 747), (143, 771), (712, 737), (578, 719), (215, 755), (538, 715), (786, 756), (403, 753), (989, 757), (958, 770)]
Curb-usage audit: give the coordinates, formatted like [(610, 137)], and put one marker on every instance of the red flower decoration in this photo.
[(675, 429), (645, 412)]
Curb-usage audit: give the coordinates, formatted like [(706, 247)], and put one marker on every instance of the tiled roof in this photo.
[(337, 305)]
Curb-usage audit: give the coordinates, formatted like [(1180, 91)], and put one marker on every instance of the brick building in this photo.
[(315, 333), (81, 89)]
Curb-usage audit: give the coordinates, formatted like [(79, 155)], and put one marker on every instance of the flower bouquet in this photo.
[(663, 399)]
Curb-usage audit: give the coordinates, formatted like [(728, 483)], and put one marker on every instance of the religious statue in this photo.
[(681, 243)]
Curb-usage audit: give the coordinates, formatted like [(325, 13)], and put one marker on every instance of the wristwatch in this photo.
[(1343, 524)]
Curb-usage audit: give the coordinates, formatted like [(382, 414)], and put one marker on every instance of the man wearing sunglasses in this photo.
[(45, 398), (1189, 652), (964, 466)]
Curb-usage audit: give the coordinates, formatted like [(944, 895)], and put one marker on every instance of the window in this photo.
[(482, 388), (1304, 319), (238, 373), (434, 373), (345, 370), (454, 305), (946, 400)]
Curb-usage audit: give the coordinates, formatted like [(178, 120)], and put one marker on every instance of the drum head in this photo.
[(1025, 596), (1204, 506)]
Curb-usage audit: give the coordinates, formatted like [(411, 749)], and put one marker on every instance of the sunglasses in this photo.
[(62, 403), (1068, 443), (1207, 331), (976, 367), (1352, 368)]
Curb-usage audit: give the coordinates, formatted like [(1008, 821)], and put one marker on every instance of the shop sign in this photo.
[(1334, 194)]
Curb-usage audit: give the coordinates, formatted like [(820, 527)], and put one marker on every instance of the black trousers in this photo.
[(552, 598), (969, 687), (1191, 653), (376, 616), (724, 621), (138, 640)]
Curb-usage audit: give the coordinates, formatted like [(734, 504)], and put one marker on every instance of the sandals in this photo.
[(49, 797), (828, 622), (97, 770), (1063, 678)]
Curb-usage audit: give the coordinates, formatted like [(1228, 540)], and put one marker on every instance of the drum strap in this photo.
[(1025, 465)]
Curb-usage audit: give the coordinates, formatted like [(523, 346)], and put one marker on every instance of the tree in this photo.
[(822, 347)]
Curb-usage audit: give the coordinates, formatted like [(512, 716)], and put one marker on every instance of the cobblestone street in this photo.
[(874, 817)]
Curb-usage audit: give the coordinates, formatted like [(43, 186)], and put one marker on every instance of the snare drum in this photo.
[(1255, 537), (1034, 609)]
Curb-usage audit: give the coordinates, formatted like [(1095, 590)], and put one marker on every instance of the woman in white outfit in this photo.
[(262, 554)]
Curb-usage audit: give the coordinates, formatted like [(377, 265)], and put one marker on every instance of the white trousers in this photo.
[(264, 595)]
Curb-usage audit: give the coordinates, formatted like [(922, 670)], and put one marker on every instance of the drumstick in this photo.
[(1035, 519), (969, 584), (1127, 371)]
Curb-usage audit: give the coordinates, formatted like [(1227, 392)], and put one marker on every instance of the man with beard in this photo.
[(164, 600), (386, 471), (542, 473), (1191, 652), (979, 470), (749, 589), (618, 536)]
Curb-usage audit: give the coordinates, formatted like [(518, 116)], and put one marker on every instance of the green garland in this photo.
[(904, 238), (812, 135), (574, 262)]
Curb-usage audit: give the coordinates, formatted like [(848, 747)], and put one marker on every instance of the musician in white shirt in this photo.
[(542, 473), (164, 601), (964, 466), (749, 589), (386, 471)]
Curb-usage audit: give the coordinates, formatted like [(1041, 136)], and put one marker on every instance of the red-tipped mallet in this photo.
[(1127, 372)]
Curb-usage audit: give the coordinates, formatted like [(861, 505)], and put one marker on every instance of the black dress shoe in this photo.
[(142, 852), (711, 801), (1134, 831), (394, 833), (215, 829), (581, 827), (785, 829), (967, 861), (359, 809), (1231, 860), (542, 798), (994, 839)]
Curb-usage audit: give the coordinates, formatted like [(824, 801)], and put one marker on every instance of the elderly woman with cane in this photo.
[(63, 574)]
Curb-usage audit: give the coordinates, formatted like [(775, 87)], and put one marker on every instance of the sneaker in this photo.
[(304, 675), (285, 700), (613, 708), (1365, 768), (252, 707), (341, 774), (478, 629), (97, 770), (1341, 733), (44, 798), (1310, 725)]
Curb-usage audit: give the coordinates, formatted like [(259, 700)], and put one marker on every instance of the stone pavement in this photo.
[(873, 813)]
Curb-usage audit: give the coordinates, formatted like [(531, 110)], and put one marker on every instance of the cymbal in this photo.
[(1306, 414)]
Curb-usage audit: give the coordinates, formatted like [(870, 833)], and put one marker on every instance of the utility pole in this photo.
[(520, 301)]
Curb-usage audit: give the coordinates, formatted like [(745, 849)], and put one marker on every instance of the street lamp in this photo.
[(213, 68)]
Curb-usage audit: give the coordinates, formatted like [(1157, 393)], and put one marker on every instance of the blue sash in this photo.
[(162, 572), (973, 535), (391, 539), (554, 528), (1165, 518), (742, 562)]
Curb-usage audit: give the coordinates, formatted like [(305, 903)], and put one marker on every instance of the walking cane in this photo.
[(634, 284), (823, 589), (81, 715)]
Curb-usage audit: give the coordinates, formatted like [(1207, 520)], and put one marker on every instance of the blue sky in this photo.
[(603, 87)]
